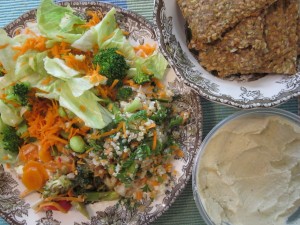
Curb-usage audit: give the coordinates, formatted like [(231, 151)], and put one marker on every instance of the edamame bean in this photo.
[(62, 112), (77, 144)]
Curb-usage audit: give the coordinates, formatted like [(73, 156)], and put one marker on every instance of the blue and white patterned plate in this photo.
[(18, 211), (247, 91)]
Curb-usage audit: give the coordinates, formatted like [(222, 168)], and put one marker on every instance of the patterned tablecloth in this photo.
[(183, 211)]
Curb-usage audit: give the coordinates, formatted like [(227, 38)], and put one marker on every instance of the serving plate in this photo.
[(244, 92), (16, 210)]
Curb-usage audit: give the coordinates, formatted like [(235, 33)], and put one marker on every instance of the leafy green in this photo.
[(58, 68), (138, 116), (10, 115), (59, 23), (143, 151), (96, 35), (7, 54), (160, 115), (176, 121), (94, 115), (124, 93)]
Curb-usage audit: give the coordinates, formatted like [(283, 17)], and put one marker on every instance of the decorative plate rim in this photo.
[(186, 175), (222, 99)]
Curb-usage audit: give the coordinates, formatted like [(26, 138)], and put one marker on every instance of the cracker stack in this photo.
[(244, 36)]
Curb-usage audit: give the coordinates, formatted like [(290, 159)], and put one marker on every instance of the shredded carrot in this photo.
[(96, 17), (168, 167), (5, 157), (138, 195), (37, 43), (154, 183), (107, 37), (115, 82), (53, 204), (59, 198), (3, 46), (108, 133), (145, 49), (25, 193), (124, 129), (45, 124), (60, 49), (95, 76), (154, 140), (179, 153), (47, 80), (152, 125)]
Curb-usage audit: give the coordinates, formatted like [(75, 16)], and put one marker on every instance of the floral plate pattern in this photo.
[(247, 91), (18, 211)]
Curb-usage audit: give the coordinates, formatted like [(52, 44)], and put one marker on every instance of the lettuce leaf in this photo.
[(119, 40), (155, 65), (96, 35), (7, 53), (94, 115), (58, 68), (10, 115), (58, 22)]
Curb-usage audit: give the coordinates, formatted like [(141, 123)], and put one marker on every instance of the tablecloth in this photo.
[(183, 210)]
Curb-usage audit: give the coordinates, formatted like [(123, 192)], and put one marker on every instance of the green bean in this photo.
[(77, 144)]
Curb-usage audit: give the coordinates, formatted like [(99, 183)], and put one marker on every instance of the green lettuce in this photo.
[(10, 115), (97, 35), (58, 22), (94, 115)]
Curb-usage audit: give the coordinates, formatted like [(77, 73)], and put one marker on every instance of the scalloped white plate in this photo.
[(242, 92)]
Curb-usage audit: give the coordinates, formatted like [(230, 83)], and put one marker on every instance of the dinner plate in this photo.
[(16, 210), (246, 91)]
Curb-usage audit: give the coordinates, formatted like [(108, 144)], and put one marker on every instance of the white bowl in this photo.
[(210, 166), (242, 92)]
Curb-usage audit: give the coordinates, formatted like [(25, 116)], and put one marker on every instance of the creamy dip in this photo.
[(249, 173)]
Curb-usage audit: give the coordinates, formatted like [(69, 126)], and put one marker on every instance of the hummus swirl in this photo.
[(249, 173)]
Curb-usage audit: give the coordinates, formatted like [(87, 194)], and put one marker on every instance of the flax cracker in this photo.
[(209, 19), (238, 50), (277, 56)]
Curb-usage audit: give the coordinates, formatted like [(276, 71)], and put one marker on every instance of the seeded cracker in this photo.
[(238, 51), (280, 35), (209, 19)]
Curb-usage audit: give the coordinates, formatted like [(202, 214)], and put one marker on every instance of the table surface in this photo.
[(183, 210)]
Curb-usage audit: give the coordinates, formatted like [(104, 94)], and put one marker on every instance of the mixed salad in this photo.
[(85, 116)]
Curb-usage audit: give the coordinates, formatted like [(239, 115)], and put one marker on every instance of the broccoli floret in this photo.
[(86, 181), (19, 93), (112, 65), (160, 115), (57, 186), (141, 78), (10, 140), (124, 93)]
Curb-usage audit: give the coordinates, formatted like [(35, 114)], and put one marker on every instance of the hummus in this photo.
[(249, 173)]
